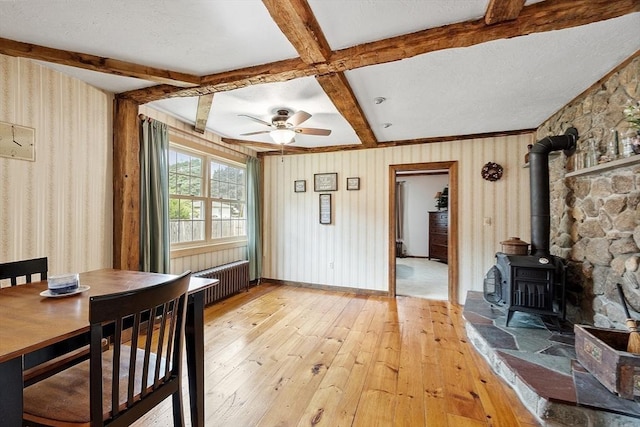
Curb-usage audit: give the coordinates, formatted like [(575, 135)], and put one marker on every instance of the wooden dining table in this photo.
[(34, 328)]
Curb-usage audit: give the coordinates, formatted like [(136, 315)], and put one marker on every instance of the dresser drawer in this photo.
[(439, 252), (439, 217), (438, 239), (438, 235)]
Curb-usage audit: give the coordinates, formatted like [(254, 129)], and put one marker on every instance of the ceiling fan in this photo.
[(284, 126)]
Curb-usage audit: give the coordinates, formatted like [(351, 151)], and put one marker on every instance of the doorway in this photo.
[(419, 275)]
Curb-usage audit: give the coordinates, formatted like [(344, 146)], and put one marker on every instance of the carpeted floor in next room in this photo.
[(422, 278)]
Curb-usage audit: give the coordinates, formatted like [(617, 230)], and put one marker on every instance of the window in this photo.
[(207, 199), (228, 196)]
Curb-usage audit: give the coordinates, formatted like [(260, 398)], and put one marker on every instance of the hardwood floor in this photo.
[(289, 356)]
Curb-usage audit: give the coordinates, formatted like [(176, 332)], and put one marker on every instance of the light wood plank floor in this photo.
[(287, 356)]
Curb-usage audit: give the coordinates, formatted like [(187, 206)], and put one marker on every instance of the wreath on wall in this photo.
[(492, 171)]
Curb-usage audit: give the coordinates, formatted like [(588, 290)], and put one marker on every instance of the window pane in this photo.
[(233, 192), (223, 193), (196, 166), (242, 195), (224, 190), (216, 228), (195, 186), (214, 167), (186, 220), (236, 172), (215, 189), (225, 210), (216, 208), (237, 210)]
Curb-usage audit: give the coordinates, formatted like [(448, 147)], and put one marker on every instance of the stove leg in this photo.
[(509, 316)]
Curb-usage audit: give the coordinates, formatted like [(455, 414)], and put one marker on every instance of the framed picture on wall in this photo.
[(300, 186), (325, 181), (325, 208), (353, 183)]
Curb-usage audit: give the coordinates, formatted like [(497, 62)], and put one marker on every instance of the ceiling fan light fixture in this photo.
[(282, 136)]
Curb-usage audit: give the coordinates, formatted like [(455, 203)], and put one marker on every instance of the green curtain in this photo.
[(154, 197), (254, 227)]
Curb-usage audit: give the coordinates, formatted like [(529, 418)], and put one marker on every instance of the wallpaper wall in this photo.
[(60, 205), (353, 251)]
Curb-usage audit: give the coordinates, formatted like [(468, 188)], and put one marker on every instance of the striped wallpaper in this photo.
[(353, 251), (59, 206)]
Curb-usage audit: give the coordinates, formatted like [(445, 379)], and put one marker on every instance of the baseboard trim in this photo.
[(357, 291)]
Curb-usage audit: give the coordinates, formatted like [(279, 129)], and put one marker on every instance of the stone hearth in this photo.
[(539, 362)]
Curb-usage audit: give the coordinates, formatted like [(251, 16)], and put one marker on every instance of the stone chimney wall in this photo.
[(595, 216)]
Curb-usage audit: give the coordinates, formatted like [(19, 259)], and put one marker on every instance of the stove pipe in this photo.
[(539, 177)]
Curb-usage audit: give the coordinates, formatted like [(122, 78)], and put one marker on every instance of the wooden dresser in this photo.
[(438, 235)]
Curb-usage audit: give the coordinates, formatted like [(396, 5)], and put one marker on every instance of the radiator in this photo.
[(233, 277)]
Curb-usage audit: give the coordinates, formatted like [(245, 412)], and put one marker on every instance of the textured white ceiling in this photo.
[(498, 86)]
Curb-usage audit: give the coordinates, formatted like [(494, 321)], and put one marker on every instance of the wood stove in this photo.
[(534, 283), (527, 283)]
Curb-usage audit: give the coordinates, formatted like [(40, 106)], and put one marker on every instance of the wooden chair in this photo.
[(136, 377), (26, 269)]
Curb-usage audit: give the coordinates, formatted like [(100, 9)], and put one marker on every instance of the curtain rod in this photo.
[(144, 117)]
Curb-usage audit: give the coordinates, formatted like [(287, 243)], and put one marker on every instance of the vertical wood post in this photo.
[(126, 185)]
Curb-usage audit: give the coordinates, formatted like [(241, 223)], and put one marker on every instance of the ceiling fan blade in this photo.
[(298, 117), (313, 131), (256, 120), (255, 133)]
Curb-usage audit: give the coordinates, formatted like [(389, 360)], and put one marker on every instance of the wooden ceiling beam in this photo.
[(337, 88), (202, 113), (298, 23), (430, 140), (280, 71), (549, 15), (502, 10), (96, 63)]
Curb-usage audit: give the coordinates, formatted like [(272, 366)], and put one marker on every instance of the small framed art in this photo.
[(353, 183), (325, 181), (300, 186), (325, 208)]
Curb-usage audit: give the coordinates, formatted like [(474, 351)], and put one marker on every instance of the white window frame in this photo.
[(209, 243)]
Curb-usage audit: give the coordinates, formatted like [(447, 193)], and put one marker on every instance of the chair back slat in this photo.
[(161, 338), (115, 376), (25, 268), (135, 331), (154, 361), (170, 347), (147, 354)]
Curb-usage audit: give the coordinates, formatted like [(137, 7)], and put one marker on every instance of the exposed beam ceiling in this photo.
[(503, 19), (337, 88), (202, 114), (296, 20), (540, 17), (96, 63)]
